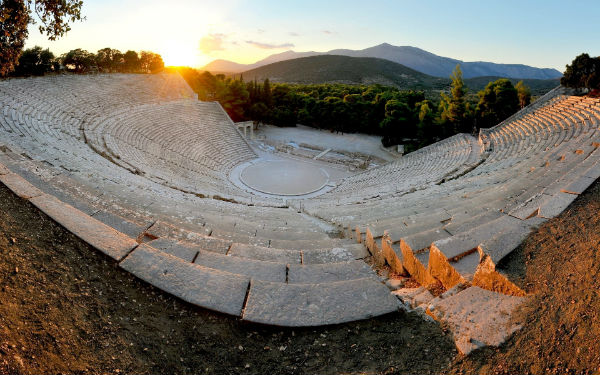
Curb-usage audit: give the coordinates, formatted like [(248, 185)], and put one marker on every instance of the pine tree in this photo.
[(454, 108), (524, 94), (267, 98)]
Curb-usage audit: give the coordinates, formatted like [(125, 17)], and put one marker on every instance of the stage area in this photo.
[(284, 177)]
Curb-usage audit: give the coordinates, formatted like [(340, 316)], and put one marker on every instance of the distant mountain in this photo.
[(345, 69), (412, 57), (370, 70)]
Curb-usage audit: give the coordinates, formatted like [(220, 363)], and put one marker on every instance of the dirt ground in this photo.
[(65, 308)]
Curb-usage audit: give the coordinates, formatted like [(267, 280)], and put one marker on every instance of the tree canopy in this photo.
[(497, 102), (54, 18), (583, 72), (454, 109), (35, 61)]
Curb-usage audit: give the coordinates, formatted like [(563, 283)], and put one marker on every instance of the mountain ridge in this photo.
[(409, 56), (369, 70)]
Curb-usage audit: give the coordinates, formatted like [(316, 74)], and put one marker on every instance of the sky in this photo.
[(546, 34)]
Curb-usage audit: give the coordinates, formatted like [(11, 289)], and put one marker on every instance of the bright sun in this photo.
[(178, 54)]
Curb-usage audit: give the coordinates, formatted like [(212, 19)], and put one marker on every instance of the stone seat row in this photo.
[(450, 158), (511, 201), (278, 293), (287, 231)]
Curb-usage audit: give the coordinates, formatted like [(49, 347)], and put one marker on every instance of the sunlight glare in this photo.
[(178, 54)]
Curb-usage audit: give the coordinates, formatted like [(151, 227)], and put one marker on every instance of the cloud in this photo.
[(260, 31), (211, 43), (291, 33), (268, 45), (328, 32)]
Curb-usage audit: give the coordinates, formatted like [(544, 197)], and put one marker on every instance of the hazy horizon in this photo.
[(545, 34)]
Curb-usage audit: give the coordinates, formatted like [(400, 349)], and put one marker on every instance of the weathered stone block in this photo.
[(215, 290), (336, 254), (265, 253), (413, 266), (371, 244), (393, 258), (255, 269), (477, 317), (20, 186), (321, 273), (297, 305), (99, 235)]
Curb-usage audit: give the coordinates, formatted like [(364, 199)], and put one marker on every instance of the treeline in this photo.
[(400, 117), (37, 61), (583, 72)]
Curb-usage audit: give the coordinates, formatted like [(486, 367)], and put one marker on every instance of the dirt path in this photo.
[(65, 308)]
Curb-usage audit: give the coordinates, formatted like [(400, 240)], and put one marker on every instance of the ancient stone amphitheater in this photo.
[(141, 170)]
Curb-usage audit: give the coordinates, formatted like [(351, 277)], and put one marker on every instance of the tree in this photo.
[(398, 123), (258, 112), (524, 94), (266, 93), (497, 101), (55, 17), (151, 62), (584, 72), (454, 108), (35, 61), (131, 62), (109, 60), (78, 60)]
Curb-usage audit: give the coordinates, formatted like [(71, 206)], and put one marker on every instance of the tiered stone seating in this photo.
[(530, 173), (174, 152), (432, 164), (135, 160)]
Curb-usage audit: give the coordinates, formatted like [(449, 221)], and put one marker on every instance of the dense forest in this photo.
[(400, 117)]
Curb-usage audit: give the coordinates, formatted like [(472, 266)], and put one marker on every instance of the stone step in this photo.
[(265, 253), (309, 244), (120, 224), (299, 305), (99, 235), (342, 253), (202, 286), (330, 272)]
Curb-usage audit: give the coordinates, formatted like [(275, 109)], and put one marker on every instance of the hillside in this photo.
[(365, 70), (538, 86), (412, 57), (344, 69)]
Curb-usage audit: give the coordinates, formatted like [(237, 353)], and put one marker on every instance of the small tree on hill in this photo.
[(454, 110), (524, 94)]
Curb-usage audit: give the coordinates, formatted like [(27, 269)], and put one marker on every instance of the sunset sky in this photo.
[(195, 32)]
